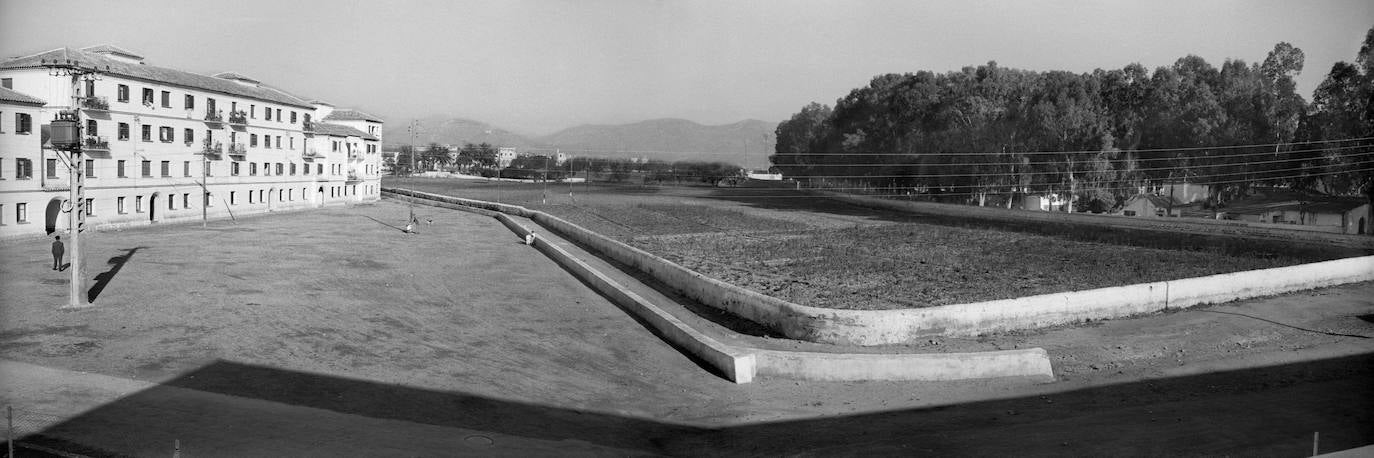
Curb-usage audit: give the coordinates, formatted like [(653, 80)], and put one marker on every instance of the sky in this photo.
[(535, 67)]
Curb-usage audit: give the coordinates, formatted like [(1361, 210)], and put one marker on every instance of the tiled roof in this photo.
[(337, 130), (11, 95), (235, 76), (1158, 201), (152, 73), (109, 48), (344, 114)]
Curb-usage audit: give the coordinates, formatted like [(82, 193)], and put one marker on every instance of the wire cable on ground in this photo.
[(1337, 334)]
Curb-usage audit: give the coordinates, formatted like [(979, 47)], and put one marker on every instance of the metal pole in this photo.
[(205, 182)]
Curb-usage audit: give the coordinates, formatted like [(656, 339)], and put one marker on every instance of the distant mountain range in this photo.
[(746, 143)]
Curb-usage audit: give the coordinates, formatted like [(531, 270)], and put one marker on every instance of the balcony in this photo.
[(212, 149), (353, 177), (308, 127), (95, 144), (237, 150), (238, 118), (214, 118), (311, 153), (95, 103)]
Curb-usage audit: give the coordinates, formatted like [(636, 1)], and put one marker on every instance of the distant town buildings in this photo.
[(162, 144)]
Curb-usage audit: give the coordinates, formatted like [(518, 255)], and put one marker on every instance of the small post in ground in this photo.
[(1315, 436), (9, 429)]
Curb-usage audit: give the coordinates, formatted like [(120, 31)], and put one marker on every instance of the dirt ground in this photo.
[(825, 253), (379, 342)]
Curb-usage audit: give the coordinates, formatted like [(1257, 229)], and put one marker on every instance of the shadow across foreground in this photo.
[(103, 279), (1252, 412)]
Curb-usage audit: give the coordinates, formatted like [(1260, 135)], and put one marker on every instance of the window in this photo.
[(21, 213), (234, 170), (52, 168), (148, 96), (166, 168), (90, 168), (266, 169), (186, 168), (279, 114), (253, 110), (233, 197), (279, 168), (305, 169), (266, 141), (138, 204), (293, 117), (119, 205), (119, 168), (207, 170), (122, 94), (186, 200), (92, 128), (123, 131), (267, 113), (171, 202), (189, 104), (23, 169), (164, 134), (253, 140), (293, 142), (188, 136), (319, 169), (336, 146), (293, 168), (90, 207), (206, 200), (147, 133), (209, 104), (166, 99), (147, 168), (278, 142), (23, 124), (252, 169), (250, 197)]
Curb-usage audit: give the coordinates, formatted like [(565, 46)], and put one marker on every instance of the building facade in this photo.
[(163, 145)]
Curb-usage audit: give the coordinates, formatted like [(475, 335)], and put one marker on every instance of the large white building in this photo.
[(163, 144)]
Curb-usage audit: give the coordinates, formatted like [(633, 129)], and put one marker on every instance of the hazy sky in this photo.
[(539, 66)]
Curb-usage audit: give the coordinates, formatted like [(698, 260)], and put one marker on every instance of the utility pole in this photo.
[(67, 135), (414, 130)]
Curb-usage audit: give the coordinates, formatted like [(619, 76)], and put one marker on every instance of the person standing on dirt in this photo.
[(57, 251)]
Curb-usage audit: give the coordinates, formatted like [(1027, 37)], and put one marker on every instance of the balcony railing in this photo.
[(308, 127), (95, 103), (212, 149), (237, 149), (353, 177), (214, 118), (311, 153), (238, 118), (95, 143)]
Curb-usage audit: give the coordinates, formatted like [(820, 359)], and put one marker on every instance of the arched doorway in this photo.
[(270, 192), (50, 215), (319, 196), (152, 208)]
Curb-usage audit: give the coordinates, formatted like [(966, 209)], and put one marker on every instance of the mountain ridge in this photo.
[(746, 143)]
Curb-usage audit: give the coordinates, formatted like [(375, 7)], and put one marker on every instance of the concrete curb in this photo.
[(741, 365)]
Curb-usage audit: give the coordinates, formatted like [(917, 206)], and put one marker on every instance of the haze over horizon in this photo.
[(537, 67)]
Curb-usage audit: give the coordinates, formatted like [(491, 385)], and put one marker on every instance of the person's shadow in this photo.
[(103, 279)]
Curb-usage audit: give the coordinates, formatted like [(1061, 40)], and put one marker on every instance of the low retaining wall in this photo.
[(742, 365), (1032, 362), (735, 365), (883, 327)]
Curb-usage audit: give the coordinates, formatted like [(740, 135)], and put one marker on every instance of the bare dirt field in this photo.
[(330, 332), (824, 253)]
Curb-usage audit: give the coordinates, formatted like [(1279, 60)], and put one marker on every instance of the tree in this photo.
[(436, 156)]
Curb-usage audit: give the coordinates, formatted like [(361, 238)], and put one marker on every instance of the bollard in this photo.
[(176, 448), (1314, 443)]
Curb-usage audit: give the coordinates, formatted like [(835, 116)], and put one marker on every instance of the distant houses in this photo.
[(1343, 215)]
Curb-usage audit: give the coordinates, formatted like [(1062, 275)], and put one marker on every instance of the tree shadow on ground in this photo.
[(1266, 411), (103, 279)]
